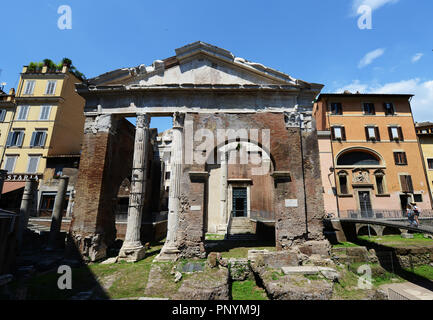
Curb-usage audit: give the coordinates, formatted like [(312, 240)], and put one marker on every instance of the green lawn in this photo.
[(247, 290), (397, 240), (122, 280), (423, 271)]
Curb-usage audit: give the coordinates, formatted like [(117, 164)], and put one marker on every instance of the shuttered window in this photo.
[(400, 158), (336, 108), (45, 113), (33, 164), (389, 109), (10, 163), (30, 87), (369, 109), (38, 139), (406, 183), (395, 133), (15, 139), (338, 133), (2, 115), (23, 113), (51, 87), (372, 133)]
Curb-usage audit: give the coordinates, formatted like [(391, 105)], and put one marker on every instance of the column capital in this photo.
[(178, 120), (143, 120)]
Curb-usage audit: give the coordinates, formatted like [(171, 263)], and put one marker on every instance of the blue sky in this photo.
[(317, 41)]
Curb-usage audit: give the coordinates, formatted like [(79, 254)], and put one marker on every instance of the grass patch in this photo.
[(397, 240), (423, 271), (123, 280), (214, 237), (247, 290)]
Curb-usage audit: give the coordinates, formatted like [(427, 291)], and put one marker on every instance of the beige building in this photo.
[(48, 123), (424, 132)]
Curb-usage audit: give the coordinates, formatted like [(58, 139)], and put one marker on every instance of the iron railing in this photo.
[(381, 214)]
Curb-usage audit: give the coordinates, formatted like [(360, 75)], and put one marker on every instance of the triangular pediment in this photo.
[(198, 63)]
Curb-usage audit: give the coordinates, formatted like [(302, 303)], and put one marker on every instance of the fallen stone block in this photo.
[(253, 254), (308, 270), (276, 260), (110, 260), (329, 273)]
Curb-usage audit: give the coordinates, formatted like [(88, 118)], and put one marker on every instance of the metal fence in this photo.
[(382, 214)]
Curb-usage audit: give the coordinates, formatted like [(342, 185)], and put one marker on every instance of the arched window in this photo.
[(358, 158)]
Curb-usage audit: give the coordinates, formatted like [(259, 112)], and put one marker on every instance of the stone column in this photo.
[(132, 249), (26, 206), (3, 175), (170, 250), (56, 219), (224, 187)]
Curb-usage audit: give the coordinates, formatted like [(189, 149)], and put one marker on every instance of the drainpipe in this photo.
[(333, 164)]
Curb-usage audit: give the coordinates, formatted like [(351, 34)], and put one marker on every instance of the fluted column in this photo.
[(170, 249), (132, 249)]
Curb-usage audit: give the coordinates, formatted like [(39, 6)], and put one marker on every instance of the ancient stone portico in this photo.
[(244, 146)]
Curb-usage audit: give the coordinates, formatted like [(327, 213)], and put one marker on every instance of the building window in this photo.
[(33, 164), (51, 87), (30, 87), (380, 182), (417, 198), (430, 164), (400, 158), (167, 175), (2, 115), (338, 133), (47, 204), (336, 108), (389, 109), (369, 109), (15, 139), (45, 113), (406, 184), (372, 133), (342, 179), (23, 113), (38, 139), (10, 163), (395, 133)]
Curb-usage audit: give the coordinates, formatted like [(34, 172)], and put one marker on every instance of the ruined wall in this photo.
[(106, 160), (294, 224)]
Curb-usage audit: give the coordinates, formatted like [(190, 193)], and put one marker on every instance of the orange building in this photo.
[(370, 157)]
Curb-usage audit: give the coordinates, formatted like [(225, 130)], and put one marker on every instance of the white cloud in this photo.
[(421, 103), (373, 4), (417, 57), (370, 57)]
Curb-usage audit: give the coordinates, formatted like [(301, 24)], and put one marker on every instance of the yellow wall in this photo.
[(64, 127), (426, 142)]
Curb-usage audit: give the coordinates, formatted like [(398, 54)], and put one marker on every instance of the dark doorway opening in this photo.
[(240, 206)]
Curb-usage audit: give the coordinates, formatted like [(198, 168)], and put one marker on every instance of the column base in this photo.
[(168, 254), (222, 229), (132, 254)]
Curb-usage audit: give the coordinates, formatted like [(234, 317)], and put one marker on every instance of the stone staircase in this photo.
[(241, 228)]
